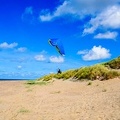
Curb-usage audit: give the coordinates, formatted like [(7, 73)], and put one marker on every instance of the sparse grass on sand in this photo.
[(23, 110), (61, 100), (90, 83), (34, 82)]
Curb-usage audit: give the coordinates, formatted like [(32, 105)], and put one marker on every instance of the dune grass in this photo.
[(103, 71), (114, 64), (96, 72), (86, 73)]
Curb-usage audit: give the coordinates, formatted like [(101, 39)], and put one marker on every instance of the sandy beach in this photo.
[(60, 100)]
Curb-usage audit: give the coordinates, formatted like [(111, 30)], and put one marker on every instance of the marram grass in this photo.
[(114, 64), (103, 71), (88, 73)]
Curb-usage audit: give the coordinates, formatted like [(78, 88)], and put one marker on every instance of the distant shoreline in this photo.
[(15, 79)]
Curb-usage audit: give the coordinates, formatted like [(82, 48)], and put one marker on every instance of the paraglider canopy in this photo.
[(58, 45)]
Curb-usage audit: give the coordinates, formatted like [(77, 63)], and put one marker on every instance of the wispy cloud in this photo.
[(55, 59), (77, 8), (40, 57), (5, 45), (21, 49), (107, 35), (96, 53), (105, 14), (45, 15), (82, 52), (19, 67), (109, 18), (28, 15)]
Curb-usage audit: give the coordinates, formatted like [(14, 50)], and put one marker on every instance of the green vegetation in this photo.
[(34, 82), (114, 64), (23, 110), (98, 71), (46, 78), (90, 83)]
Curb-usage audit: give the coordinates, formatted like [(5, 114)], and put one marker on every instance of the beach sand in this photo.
[(60, 100)]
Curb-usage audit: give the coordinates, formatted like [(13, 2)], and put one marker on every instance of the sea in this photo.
[(15, 79)]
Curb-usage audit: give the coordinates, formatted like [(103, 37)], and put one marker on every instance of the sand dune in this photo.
[(60, 100)]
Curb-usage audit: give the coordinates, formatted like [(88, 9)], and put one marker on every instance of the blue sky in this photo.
[(89, 31)]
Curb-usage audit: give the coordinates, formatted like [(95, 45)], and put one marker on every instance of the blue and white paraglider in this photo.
[(58, 45)]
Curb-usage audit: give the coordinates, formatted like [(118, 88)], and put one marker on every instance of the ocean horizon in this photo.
[(15, 79)]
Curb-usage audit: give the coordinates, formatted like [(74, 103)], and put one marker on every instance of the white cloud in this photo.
[(5, 45), (96, 53), (60, 10), (22, 49), (105, 14), (19, 66), (45, 16), (77, 8), (109, 18), (89, 30), (40, 57), (82, 52), (107, 35), (43, 52), (56, 59)]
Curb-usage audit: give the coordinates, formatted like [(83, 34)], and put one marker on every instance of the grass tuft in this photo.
[(23, 110), (90, 83), (34, 82)]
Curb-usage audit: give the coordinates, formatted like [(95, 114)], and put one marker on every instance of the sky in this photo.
[(89, 31)]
